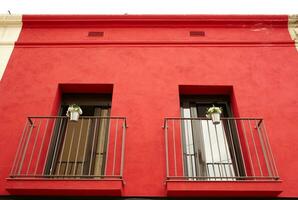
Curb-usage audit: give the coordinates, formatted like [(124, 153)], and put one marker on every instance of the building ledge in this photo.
[(240, 21), (223, 188), (64, 187)]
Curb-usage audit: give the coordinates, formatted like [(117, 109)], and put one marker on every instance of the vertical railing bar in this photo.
[(211, 148), (78, 147), (174, 145), (122, 147), (200, 122), (115, 147), (233, 172), (62, 150), (33, 148), (166, 148), (56, 144), (194, 155), (220, 160), (207, 170), (255, 147), (69, 152), (190, 156), (49, 145), (224, 170), (76, 170), (230, 133), (64, 167), (208, 173), (100, 146), (41, 147), (241, 151), (18, 152), (71, 167), (193, 161), (225, 166), (108, 143), (227, 151), (181, 147), (214, 167), (246, 142), (85, 146), (188, 159), (25, 148), (270, 150), (265, 150), (219, 171), (92, 149), (263, 146)]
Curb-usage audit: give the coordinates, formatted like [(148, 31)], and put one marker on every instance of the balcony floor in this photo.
[(181, 188), (64, 187)]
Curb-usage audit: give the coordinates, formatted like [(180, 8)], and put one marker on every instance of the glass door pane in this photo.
[(217, 151), (189, 151), (218, 158), (206, 147)]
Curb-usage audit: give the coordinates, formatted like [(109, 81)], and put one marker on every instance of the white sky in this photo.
[(149, 6)]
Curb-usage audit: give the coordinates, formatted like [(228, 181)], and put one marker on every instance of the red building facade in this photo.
[(144, 83)]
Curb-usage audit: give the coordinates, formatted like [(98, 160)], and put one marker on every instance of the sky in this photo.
[(149, 6)]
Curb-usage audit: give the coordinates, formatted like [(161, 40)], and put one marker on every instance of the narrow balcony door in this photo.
[(208, 149), (83, 149)]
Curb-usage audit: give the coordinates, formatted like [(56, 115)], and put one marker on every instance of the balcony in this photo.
[(201, 156), (55, 155)]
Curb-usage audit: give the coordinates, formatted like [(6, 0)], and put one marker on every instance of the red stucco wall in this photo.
[(146, 64)]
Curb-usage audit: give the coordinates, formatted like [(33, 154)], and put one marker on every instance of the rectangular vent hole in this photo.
[(197, 33), (95, 34)]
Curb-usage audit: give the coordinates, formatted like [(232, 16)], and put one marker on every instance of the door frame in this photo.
[(82, 99), (191, 102)]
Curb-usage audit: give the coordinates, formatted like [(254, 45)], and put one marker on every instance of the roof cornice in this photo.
[(155, 20)]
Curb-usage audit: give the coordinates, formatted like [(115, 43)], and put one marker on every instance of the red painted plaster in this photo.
[(146, 60)]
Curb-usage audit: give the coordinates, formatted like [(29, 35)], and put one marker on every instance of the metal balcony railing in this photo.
[(236, 149), (55, 147)]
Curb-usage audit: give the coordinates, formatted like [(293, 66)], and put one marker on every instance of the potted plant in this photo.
[(73, 112), (213, 113)]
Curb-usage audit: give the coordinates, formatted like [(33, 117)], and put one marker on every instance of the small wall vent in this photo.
[(197, 33), (95, 34)]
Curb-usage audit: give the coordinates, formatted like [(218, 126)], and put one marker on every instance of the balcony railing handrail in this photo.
[(236, 118), (225, 177), (60, 116), (205, 118), (81, 117)]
